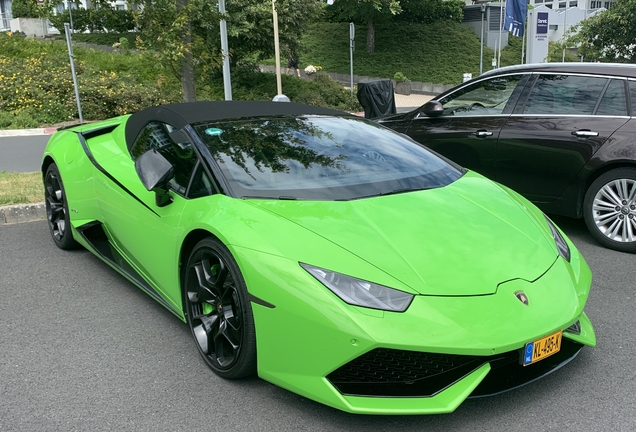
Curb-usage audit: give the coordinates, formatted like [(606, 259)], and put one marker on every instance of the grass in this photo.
[(439, 53), (21, 188)]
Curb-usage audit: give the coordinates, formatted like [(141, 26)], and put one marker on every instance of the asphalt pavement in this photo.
[(82, 349), (22, 153)]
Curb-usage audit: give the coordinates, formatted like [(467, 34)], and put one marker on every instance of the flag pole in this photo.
[(501, 8)]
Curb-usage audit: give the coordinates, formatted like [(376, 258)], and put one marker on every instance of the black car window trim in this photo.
[(200, 166), (197, 155), (219, 183), (508, 109), (518, 112)]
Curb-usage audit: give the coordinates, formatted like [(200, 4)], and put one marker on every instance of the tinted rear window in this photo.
[(322, 158)]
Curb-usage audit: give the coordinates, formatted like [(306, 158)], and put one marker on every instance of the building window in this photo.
[(574, 3), (607, 5), (561, 5)]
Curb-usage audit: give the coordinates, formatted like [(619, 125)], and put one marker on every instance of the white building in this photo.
[(559, 19)]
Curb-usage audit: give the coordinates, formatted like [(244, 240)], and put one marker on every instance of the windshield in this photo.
[(320, 158)]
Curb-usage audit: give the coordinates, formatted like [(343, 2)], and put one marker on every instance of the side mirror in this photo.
[(432, 109), (155, 172)]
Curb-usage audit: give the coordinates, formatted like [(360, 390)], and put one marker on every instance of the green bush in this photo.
[(36, 86), (400, 77), (430, 11), (24, 9), (104, 19), (248, 84), (118, 21), (107, 39)]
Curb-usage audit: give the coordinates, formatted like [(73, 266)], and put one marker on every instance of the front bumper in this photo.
[(309, 335)]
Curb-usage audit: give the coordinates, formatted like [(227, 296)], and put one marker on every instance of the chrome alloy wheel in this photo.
[(614, 210)]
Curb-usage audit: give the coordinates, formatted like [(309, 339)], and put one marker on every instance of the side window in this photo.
[(201, 185), (174, 146), (614, 101), (564, 94), (488, 97)]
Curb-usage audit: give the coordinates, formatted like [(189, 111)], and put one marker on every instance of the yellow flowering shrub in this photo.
[(36, 86)]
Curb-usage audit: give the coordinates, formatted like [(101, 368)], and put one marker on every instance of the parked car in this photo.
[(321, 251), (562, 135)]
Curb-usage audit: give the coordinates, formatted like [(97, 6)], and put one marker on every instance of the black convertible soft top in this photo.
[(179, 115)]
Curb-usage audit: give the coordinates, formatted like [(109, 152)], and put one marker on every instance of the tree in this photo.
[(368, 12), (610, 35), (187, 38), (28, 9)]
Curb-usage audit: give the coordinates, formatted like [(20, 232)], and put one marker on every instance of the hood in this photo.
[(462, 239)]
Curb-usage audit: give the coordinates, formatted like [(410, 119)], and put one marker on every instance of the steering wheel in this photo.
[(183, 150), (372, 154), (477, 105)]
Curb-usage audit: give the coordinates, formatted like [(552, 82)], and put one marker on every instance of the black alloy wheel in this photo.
[(57, 209), (219, 312), (610, 209)]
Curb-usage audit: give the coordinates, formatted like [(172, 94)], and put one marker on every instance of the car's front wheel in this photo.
[(610, 209), (57, 209), (218, 310)]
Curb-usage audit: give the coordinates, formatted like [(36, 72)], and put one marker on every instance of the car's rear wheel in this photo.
[(57, 209), (219, 311), (610, 209)]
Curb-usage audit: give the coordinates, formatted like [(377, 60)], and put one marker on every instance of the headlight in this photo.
[(561, 244), (359, 292)]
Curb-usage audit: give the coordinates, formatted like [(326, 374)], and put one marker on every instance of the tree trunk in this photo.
[(187, 66), (370, 36), (187, 79)]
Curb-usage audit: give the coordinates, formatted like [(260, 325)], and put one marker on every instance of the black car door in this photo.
[(560, 121), (468, 129)]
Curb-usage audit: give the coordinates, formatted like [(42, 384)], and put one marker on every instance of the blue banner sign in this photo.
[(542, 23)]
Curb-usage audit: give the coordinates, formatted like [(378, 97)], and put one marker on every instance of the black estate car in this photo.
[(561, 134)]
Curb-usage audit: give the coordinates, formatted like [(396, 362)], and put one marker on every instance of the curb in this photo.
[(22, 213)]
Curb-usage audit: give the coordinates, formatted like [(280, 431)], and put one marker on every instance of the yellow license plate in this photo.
[(542, 348)]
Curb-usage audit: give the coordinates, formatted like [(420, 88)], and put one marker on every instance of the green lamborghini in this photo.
[(325, 253)]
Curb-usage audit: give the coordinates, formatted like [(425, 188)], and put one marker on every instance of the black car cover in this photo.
[(376, 97)]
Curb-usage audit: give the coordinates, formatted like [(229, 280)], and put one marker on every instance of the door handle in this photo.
[(585, 133), (482, 134)]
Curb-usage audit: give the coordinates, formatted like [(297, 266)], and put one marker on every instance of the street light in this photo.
[(227, 84), (481, 40), (483, 4), (280, 97)]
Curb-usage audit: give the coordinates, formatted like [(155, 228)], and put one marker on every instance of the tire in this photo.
[(57, 209), (218, 311), (610, 209)]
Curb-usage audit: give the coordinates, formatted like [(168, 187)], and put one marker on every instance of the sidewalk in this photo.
[(404, 103)]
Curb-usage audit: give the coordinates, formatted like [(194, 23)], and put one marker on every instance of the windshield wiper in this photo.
[(284, 197), (391, 192)]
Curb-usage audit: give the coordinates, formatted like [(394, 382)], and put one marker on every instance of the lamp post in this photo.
[(481, 40), (565, 27), (227, 84), (280, 97), (501, 18)]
